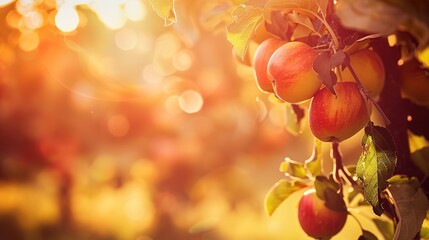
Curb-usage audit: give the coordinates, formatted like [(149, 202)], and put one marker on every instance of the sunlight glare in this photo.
[(135, 10), (67, 18), (110, 13), (5, 2)]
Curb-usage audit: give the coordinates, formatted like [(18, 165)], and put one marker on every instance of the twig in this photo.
[(339, 168), (366, 93)]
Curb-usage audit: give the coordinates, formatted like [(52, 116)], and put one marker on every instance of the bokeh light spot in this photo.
[(134, 209), (183, 60), (29, 41), (150, 75), (110, 13), (135, 10), (167, 45), (210, 80), (13, 19), (118, 125), (172, 105), (191, 101), (5, 2), (126, 39), (67, 18), (145, 42), (34, 20), (103, 168)]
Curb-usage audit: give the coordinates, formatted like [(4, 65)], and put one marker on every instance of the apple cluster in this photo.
[(286, 69)]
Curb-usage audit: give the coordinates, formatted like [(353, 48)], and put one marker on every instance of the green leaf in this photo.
[(279, 192), (293, 169), (421, 159), (404, 179), (321, 183), (314, 163), (387, 16), (242, 30), (367, 235), (376, 163), (327, 190), (334, 201), (165, 9), (411, 206)]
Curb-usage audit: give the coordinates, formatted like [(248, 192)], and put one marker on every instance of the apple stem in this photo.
[(366, 93), (339, 169)]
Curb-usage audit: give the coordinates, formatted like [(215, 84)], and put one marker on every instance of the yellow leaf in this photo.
[(165, 9), (241, 31)]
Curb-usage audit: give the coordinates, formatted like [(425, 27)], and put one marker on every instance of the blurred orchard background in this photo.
[(115, 126)]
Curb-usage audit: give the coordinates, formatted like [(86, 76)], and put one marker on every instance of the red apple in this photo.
[(317, 220), (370, 70), (260, 62), (334, 118), (290, 68)]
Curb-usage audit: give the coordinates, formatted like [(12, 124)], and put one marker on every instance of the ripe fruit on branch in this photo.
[(260, 62), (316, 219), (334, 118), (290, 68), (414, 82), (370, 70)]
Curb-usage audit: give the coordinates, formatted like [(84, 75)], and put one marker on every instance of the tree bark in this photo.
[(395, 107)]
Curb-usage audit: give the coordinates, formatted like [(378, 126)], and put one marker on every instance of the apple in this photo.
[(334, 118), (316, 219), (290, 69), (370, 70), (260, 62), (414, 82)]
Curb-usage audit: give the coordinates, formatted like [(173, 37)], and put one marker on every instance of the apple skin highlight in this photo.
[(317, 220), (260, 61), (369, 68), (335, 118), (290, 69)]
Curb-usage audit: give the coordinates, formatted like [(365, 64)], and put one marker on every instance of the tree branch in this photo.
[(395, 107)]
